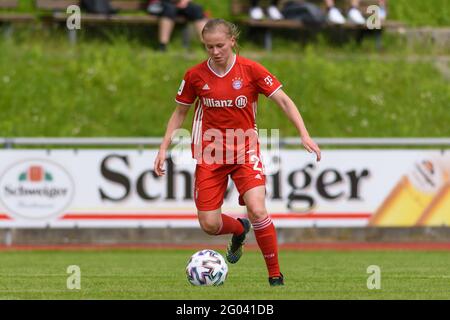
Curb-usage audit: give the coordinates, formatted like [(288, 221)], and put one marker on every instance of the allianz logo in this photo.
[(239, 102)]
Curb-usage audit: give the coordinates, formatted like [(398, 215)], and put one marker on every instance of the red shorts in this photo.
[(211, 182)]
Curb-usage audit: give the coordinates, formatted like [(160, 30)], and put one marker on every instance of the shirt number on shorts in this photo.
[(255, 158)]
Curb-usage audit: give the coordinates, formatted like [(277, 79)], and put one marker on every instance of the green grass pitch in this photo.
[(159, 274)]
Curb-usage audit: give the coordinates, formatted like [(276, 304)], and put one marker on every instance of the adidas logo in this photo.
[(205, 87), (258, 176)]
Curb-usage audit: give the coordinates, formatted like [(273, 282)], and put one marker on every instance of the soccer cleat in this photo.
[(276, 281), (234, 249)]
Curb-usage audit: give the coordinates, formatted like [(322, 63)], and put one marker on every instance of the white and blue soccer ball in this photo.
[(206, 268)]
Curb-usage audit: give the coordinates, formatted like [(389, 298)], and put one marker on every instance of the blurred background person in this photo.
[(257, 13), (168, 10), (354, 14)]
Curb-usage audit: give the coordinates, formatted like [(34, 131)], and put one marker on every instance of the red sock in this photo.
[(230, 225), (266, 237)]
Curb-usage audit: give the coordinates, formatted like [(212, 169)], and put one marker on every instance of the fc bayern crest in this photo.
[(237, 83)]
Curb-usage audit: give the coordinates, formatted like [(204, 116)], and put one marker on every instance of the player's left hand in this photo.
[(311, 146)]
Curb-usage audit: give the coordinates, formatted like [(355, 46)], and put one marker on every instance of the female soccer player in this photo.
[(225, 90)]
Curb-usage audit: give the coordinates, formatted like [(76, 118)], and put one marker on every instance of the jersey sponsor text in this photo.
[(210, 102)]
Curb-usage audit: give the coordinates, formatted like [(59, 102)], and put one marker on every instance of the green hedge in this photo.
[(49, 88)]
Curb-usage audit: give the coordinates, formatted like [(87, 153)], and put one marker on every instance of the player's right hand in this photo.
[(159, 163)]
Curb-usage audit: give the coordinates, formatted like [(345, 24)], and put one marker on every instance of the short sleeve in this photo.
[(266, 83), (186, 93)]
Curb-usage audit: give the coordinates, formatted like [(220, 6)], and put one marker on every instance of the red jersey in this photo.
[(225, 105)]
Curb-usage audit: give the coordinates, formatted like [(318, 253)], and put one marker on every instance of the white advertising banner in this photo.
[(118, 188)]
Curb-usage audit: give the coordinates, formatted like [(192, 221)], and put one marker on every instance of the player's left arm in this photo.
[(291, 110)]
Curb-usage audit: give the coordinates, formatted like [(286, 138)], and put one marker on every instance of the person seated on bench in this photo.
[(168, 10), (354, 15), (98, 6), (257, 13)]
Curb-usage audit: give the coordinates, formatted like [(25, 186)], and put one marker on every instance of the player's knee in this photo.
[(210, 227), (257, 214)]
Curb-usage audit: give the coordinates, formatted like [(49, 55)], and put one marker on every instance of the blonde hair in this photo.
[(230, 29)]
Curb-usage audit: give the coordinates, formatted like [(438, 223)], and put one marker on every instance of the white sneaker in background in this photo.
[(274, 13), (256, 13), (382, 13), (335, 16), (355, 16)]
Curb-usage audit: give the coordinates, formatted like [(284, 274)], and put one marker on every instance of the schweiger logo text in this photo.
[(43, 192), (36, 189)]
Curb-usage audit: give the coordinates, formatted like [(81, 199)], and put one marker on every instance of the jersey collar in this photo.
[(228, 71)]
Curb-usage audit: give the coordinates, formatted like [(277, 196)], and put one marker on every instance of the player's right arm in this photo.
[(186, 96), (175, 122)]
